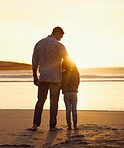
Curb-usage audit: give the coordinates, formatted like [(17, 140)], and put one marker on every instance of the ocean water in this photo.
[(100, 89)]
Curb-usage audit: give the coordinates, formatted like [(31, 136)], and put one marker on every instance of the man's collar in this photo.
[(51, 36)]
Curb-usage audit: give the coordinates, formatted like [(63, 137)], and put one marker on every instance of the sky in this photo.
[(94, 29)]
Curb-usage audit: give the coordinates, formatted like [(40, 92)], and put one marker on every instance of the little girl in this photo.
[(70, 83)]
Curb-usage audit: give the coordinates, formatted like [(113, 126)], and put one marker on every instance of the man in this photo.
[(48, 54)]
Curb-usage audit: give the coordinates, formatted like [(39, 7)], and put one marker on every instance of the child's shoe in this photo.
[(75, 125), (69, 127)]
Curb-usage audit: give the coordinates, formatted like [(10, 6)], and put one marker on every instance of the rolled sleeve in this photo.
[(35, 58)]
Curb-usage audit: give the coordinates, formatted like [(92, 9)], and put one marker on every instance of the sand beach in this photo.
[(97, 129)]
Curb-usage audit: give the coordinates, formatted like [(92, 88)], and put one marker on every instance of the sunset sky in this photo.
[(94, 29)]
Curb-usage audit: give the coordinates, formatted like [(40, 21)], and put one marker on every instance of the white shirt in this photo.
[(48, 54)]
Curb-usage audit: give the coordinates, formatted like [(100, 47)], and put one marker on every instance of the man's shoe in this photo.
[(33, 128), (54, 129)]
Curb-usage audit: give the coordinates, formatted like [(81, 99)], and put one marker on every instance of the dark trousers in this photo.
[(43, 88)]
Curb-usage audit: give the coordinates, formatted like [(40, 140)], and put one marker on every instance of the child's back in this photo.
[(70, 81)]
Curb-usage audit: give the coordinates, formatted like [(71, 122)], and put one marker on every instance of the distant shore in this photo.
[(4, 65), (96, 129)]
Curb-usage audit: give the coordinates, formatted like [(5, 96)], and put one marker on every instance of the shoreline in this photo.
[(65, 110)]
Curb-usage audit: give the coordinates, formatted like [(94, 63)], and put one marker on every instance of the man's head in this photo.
[(58, 33)]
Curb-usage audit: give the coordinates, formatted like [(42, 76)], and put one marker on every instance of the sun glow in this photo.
[(89, 50)]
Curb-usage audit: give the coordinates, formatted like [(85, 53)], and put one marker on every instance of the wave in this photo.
[(84, 80), (102, 76), (16, 81), (81, 76), (16, 76)]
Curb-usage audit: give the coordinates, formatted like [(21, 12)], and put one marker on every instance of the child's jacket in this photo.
[(70, 81)]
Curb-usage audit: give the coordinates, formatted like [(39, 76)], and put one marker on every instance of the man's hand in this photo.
[(35, 80)]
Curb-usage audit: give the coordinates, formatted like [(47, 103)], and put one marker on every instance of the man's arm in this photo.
[(63, 52), (35, 63), (35, 77)]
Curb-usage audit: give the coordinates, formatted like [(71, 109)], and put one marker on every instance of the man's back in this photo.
[(48, 54)]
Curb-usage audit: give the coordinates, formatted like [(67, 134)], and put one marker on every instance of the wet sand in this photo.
[(97, 129)]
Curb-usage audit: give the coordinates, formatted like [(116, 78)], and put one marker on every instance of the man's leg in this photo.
[(42, 95), (54, 98)]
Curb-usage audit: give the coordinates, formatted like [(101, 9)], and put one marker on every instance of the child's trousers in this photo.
[(70, 99)]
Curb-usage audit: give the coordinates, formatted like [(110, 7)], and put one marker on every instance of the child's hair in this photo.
[(65, 66), (69, 65)]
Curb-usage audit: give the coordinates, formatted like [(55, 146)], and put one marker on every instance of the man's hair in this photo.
[(57, 29)]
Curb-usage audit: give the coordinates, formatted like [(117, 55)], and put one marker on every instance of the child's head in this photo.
[(65, 66), (68, 65)]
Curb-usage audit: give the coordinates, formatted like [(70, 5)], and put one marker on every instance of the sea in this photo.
[(99, 89)]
